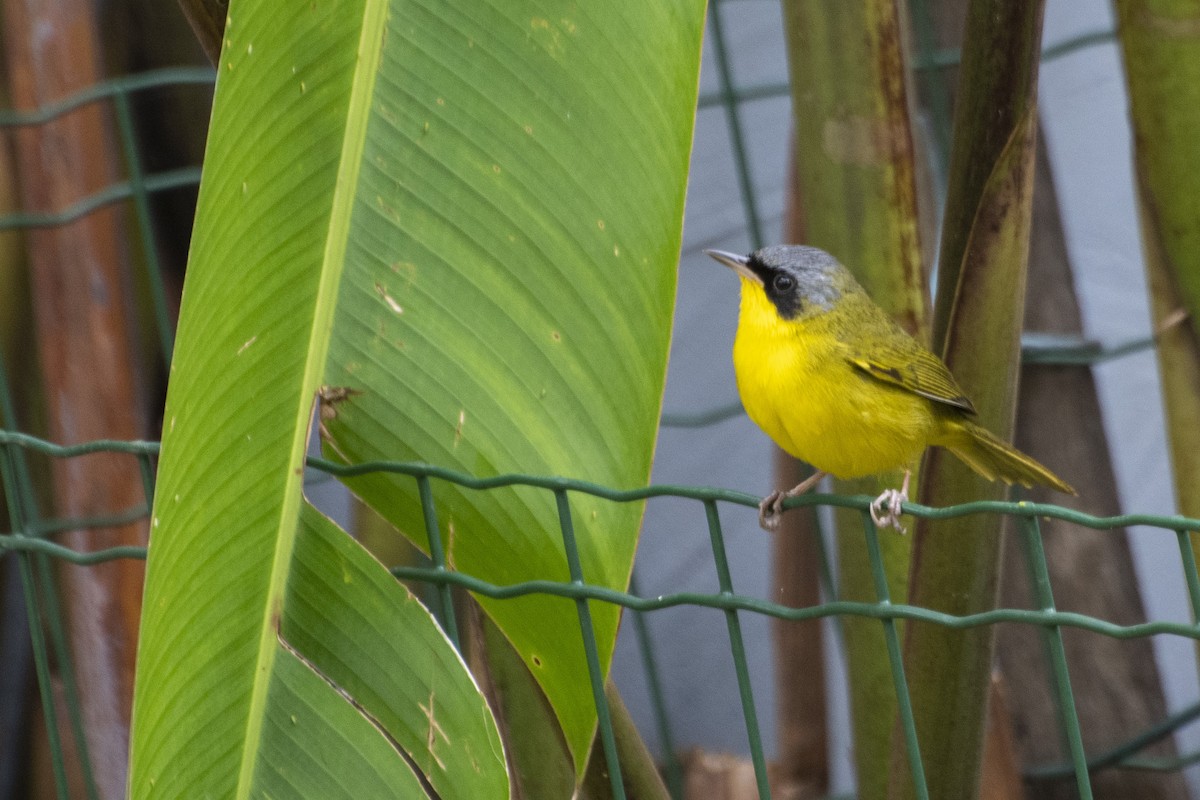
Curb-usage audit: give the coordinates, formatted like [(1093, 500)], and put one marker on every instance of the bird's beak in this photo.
[(739, 264)]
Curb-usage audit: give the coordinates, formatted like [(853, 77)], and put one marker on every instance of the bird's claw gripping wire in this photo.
[(770, 510), (885, 509), (771, 507)]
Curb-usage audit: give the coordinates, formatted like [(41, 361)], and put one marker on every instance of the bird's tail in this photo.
[(993, 458)]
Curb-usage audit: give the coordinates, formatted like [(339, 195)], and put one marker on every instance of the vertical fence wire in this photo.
[(730, 102), (671, 767), (33, 617), (1187, 558), (145, 225), (591, 651), (42, 609), (46, 589), (437, 554), (738, 649), (908, 725), (1044, 595)]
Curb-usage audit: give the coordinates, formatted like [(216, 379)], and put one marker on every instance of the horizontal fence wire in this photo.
[(139, 185), (38, 541), (1018, 509)]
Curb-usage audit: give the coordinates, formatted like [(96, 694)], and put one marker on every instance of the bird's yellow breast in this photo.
[(798, 383)]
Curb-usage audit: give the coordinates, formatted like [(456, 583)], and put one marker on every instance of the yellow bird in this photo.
[(828, 375)]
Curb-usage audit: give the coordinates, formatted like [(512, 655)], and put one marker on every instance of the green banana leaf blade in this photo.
[(469, 217), (276, 657), (507, 301), (363, 675)]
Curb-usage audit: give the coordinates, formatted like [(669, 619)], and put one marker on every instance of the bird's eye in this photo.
[(783, 283)]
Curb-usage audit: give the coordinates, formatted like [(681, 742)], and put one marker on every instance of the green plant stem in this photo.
[(977, 325), (856, 193)]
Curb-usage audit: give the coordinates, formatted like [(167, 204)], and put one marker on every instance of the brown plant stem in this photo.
[(87, 357)]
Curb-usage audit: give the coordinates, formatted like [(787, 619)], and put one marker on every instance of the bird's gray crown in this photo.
[(819, 278)]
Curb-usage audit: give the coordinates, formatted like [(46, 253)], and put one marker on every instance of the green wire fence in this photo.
[(30, 537)]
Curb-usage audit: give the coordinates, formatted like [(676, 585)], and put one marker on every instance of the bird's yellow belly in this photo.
[(822, 410)]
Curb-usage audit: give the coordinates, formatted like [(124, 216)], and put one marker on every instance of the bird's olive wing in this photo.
[(917, 370)]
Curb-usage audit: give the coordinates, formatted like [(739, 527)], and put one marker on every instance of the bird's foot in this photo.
[(770, 510), (771, 507), (885, 509)]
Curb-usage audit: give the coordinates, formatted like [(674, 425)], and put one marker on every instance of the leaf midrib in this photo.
[(358, 115)]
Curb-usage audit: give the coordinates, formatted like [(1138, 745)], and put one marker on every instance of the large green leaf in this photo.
[(469, 216), (508, 292), (276, 657)]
